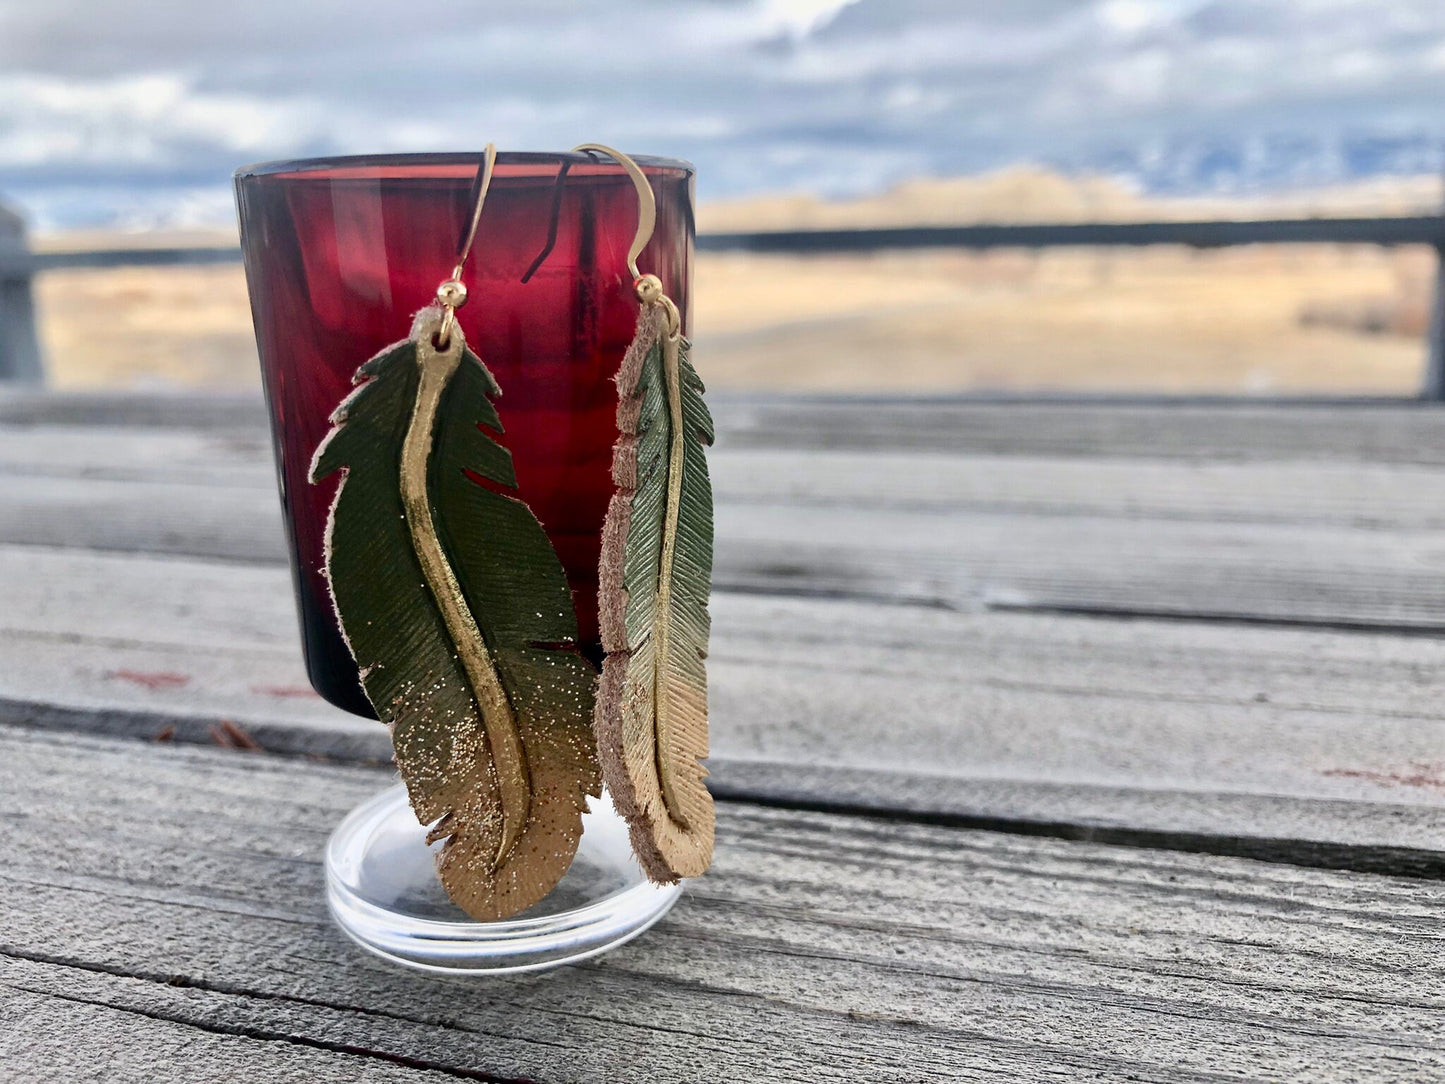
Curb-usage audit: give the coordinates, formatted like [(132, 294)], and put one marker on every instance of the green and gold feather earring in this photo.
[(457, 612), (654, 580)]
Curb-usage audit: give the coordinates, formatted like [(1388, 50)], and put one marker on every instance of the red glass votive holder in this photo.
[(340, 254)]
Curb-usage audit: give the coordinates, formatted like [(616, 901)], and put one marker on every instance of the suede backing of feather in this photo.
[(654, 580), (458, 614)]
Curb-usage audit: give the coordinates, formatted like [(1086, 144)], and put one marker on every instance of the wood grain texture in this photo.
[(1136, 725), (821, 947), (70, 1032), (1299, 513), (1141, 487), (1229, 430), (202, 457), (1366, 496), (163, 916), (1372, 430), (1363, 836), (1334, 564), (239, 411), (1140, 490)]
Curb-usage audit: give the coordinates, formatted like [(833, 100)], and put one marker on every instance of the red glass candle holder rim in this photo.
[(519, 164)]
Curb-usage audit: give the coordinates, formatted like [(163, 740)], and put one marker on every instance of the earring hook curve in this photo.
[(649, 287), (647, 202)]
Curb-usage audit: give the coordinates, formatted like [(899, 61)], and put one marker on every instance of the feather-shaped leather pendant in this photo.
[(655, 577), (458, 614)]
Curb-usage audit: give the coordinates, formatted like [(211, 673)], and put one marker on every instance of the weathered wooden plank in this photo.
[(1318, 833), (203, 457), (1141, 726), (1112, 535), (56, 1026), (244, 411), (240, 523), (1358, 495), (1355, 495), (1370, 431), (819, 947), (1315, 572), (1243, 571)]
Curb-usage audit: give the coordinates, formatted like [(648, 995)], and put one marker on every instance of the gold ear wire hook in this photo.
[(452, 294), (647, 202), (648, 287)]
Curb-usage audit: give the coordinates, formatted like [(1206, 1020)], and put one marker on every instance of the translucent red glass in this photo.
[(341, 253)]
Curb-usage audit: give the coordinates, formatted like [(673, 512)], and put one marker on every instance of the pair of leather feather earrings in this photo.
[(457, 611)]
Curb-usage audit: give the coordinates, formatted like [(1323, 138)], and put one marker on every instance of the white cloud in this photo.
[(136, 120), (166, 97), (798, 17)]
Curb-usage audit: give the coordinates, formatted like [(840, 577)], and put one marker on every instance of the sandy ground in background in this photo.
[(1264, 319), (1164, 319)]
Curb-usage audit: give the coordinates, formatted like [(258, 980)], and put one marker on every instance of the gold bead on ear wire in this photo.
[(452, 294), (649, 289)]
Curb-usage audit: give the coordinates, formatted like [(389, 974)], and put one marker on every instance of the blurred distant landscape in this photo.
[(1261, 320)]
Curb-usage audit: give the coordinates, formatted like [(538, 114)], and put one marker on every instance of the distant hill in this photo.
[(1031, 194)]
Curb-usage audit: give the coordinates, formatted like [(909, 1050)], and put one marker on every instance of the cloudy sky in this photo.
[(137, 111)]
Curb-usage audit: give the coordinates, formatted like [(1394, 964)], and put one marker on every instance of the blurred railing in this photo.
[(20, 354)]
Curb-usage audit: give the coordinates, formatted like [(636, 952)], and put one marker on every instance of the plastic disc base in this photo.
[(384, 893)]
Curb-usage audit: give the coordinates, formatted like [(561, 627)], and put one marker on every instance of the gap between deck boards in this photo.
[(1312, 854), (1108, 613), (873, 795)]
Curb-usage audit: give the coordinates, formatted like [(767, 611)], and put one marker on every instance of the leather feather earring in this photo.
[(457, 612), (654, 580)]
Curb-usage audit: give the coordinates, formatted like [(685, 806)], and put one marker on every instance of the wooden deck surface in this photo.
[(1053, 741)]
